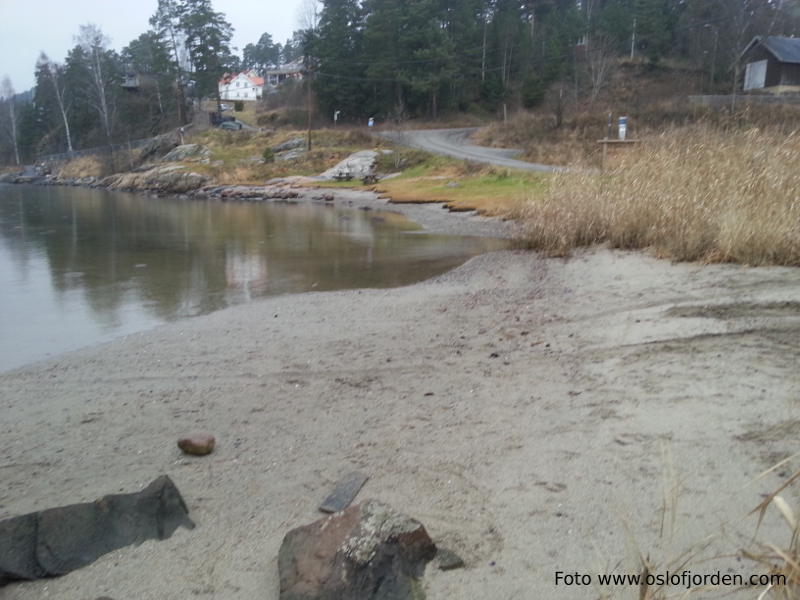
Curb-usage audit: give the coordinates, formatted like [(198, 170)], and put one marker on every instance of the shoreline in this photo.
[(433, 217), (526, 424)]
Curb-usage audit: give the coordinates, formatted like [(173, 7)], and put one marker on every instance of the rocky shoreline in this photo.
[(176, 180)]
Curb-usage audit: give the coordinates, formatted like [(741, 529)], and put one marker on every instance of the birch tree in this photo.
[(53, 73), (95, 44), (7, 94)]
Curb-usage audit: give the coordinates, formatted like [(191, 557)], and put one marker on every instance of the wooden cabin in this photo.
[(771, 64)]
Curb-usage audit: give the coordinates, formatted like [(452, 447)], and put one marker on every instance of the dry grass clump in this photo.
[(542, 142), (690, 194), (85, 166), (783, 563)]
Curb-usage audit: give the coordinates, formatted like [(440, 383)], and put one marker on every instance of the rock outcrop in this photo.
[(188, 153), (367, 552), (166, 179), (158, 146), (357, 165)]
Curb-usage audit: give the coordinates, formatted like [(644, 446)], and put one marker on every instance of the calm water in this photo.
[(81, 266)]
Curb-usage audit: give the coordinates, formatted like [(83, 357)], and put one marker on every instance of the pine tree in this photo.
[(336, 46), (166, 25), (263, 55), (208, 36)]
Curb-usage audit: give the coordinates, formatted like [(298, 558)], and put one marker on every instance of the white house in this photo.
[(247, 85)]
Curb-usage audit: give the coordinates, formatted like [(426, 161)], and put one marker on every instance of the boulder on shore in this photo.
[(59, 540), (357, 165), (166, 179), (367, 552)]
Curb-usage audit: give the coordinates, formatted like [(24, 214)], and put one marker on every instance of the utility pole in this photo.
[(633, 39), (483, 54), (714, 54), (309, 73)]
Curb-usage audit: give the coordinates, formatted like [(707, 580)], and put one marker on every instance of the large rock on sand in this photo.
[(367, 552), (59, 540), (358, 165)]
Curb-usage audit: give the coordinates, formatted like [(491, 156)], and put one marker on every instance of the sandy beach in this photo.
[(537, 415)]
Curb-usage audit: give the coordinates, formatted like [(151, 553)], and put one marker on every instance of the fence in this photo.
[(744, 99), (107, 149)]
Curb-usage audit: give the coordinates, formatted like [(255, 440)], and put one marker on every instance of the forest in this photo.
[(415, 59)]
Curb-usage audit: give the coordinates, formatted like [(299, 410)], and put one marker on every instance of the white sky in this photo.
[(28, 27)]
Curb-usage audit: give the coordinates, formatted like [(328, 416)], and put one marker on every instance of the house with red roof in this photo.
[(247, 85)]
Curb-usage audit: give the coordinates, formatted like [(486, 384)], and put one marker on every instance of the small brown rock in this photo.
[(198, 444)]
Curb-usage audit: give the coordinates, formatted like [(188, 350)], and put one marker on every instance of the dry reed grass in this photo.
[(85, 166), (690, 194), (780, 561)]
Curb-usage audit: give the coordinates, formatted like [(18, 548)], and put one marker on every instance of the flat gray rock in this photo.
[(59, 540), (344, 493), (447, 560)]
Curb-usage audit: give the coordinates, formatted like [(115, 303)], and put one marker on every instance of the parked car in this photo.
[(216, 118), (226, 106), (231, 126)]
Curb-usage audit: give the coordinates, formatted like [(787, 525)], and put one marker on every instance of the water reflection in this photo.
[(81, 266)]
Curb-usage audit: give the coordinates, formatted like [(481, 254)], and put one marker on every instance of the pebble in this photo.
[(198, 444)]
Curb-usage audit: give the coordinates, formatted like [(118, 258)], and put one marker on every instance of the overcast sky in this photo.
[(28, 27)]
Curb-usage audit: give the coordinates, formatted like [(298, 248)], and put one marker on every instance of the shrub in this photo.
[(238, 106), (533, 91), (268, 155)]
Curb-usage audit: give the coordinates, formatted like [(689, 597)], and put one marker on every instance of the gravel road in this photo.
[(454, 142)]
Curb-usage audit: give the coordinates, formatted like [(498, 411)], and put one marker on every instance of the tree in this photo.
[(8, 97), (655, 24), (294, 46), (54, 75), (166, 25), (263, 55), (148, 57), (308, 14), (207, 40), (336, 43), (99, 66)]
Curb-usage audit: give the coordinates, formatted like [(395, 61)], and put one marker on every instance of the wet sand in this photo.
[(537, 415)]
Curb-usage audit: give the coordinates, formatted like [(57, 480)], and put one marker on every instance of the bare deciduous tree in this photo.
[(599, 60), (7, 94), (308, 14), (54, 75), (95, 45)]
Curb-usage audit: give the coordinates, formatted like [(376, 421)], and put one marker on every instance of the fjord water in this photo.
[(81, 266)]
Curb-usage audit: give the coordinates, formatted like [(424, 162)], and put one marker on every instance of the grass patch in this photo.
[(492, 191), (695, 193), (85, 166)]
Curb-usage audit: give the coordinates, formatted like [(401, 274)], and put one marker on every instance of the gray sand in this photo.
[(536, 415)]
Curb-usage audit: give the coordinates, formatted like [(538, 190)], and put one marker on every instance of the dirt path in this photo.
[(454, 143), (536, 415)]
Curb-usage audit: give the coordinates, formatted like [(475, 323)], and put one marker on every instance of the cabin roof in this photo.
[(785, 49)]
